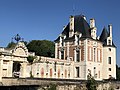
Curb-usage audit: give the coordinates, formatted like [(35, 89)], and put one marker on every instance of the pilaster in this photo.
[(23, 71), (1, 67)]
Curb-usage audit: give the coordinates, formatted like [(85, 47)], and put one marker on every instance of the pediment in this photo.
[(20, 50)]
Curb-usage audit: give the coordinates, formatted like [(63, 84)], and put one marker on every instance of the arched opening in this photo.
[(16, 69)]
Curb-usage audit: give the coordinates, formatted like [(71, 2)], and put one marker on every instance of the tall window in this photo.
[(77, 39), (78, 56), (62, 54), (55, 66), (62, 41), (95, 72), (77, 72), (98, 55), (94, 54), (90, 53), (109, 60)]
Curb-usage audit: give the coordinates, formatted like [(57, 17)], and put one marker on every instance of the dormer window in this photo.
[(109, 42), (62, 41), (77, 39)]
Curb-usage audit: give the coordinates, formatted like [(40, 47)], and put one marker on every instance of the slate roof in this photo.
[(103, 37), (80, 25)]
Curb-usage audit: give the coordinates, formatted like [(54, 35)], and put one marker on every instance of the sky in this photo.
[(44, 19)]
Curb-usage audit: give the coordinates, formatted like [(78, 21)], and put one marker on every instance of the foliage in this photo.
[(11, 45), (41, 47), (117, 72), (52, 87), (31, 76), (91, 83), (31, 59)]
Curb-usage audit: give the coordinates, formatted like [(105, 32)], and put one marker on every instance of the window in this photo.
[(98, 55), (95, 72), (109, 49), (78, 56), (90, 53), (109, 60), (62, 41), (109, 42), (109, 69), (94, 54), (77, 71), (62, 54), (55, 66), (78, 40)]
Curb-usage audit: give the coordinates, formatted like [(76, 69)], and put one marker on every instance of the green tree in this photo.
[(41, 47), (91, 83), (30, 59), (11, 45), (117, 72), (52, 87)]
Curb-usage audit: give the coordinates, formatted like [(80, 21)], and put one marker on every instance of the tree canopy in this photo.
[(11, 45), (41, 47), (117, 72)]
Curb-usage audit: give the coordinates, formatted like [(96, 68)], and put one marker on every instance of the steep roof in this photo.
[(80, 25), (103, 37)]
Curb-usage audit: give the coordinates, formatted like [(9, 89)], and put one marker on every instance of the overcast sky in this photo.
[(44, 19)]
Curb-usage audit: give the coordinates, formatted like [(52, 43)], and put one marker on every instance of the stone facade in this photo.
[(78, 52), (13, 61)]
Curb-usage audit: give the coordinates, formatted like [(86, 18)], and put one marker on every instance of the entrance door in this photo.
[(16, 69)]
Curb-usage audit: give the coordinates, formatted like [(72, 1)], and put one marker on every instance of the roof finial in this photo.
[(17, 38)]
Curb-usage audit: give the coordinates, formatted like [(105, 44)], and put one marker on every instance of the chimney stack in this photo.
[(92, 23), (110, 29)]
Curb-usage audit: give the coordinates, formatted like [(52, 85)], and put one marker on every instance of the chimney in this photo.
[(110, 29), (93, 29), (71, 32), (92, 23)]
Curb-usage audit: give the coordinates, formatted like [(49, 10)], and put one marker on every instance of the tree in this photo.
[(30, 59), (117, 72), (11, 45), (52, 87), (41, 47), (91, 83)]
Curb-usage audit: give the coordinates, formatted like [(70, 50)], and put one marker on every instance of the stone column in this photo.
[(23, 69), (10, 68), (1, 68)]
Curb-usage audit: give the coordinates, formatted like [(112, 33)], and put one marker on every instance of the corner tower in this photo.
[(109, 53)]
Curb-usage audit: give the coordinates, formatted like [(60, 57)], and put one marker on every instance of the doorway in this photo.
[(16, 69)]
